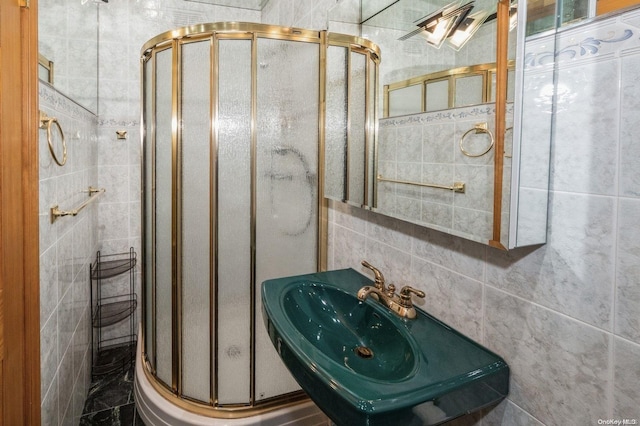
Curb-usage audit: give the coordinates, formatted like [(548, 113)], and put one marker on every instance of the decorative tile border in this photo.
[(586, 41), (112, 122), (465, 113), (50, 97)]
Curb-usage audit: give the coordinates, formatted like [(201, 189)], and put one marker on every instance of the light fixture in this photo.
[(469, 25), (437, 26)]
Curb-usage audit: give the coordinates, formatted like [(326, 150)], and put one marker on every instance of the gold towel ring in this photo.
[(47, 122), (478, 128)]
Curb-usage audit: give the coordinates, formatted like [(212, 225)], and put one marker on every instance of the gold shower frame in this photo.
[(213, 32)]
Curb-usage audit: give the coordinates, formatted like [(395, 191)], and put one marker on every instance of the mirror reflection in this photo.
[(67, 41), (444, 146)]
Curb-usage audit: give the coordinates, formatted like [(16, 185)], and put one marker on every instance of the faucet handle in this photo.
[(405, 295), (391, 290), (379, 278)]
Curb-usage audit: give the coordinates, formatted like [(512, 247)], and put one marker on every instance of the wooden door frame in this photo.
[(19, 222)]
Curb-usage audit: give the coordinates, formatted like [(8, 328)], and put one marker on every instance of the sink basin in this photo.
[(349, 332), (362, 364)]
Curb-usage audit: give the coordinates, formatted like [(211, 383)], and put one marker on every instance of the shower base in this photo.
[(155, 410)]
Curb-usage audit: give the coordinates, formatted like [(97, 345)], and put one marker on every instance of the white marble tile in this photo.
[(393, 232), (478, 180), (113, 219), (508, 414), (574, 272), (65, 263), (536, 129), (531, 216), (437, 215), (49, 405), (115, 179), (409, 143), (627, 320), (450, 297), (349, 248), (476, 225), (438, 143), (350, 217), (48, 284), (438, 174), (626, 389), (387, 144), (407, 208), (456, 254), (111, 151), (65, 382), (49, 355), (586, 129), (559, 367), (629, 124), (393, 263), (135, 218)]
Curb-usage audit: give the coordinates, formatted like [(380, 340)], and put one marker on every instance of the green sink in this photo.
[(363, 365), (350, 333)]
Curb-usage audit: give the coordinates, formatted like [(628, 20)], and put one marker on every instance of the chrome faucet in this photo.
[(401, 303)]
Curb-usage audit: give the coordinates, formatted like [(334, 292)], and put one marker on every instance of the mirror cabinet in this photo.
[(462, 124), (68, 47)]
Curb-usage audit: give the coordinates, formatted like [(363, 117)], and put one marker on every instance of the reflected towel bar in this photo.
[(93, 194), (457, 186)]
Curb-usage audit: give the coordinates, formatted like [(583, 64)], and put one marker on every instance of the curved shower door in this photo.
[(234, 128)]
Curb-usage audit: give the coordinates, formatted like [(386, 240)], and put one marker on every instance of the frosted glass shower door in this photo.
[(197, 269), (234, 219), (336, 122), (163, 215), (286, 187)]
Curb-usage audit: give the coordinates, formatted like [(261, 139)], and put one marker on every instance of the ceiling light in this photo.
[(436, 27), (469, 25)]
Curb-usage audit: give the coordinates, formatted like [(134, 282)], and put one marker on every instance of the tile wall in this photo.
[(67, 247), (425, 148), (565, 314)]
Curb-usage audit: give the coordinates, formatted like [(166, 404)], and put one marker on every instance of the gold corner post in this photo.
[(176, 215), (252, 225), (213, 220), (323, 204), (502, 42)]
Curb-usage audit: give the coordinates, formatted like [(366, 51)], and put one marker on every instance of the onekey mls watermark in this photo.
[(617, 422)]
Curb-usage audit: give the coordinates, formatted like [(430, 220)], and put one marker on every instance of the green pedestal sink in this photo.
[(363, 365)]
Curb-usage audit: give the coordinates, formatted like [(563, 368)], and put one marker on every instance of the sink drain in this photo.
[(363, 352)]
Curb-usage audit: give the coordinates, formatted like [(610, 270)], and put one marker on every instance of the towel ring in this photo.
[(478, 128), (47, 122)]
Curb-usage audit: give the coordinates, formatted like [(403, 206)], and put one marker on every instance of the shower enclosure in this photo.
[(234, 125)]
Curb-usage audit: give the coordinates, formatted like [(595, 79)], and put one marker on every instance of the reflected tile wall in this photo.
[(425, 148), (67, 247), (564, 314)]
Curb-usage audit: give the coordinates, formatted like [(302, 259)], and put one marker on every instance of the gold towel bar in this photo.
[(93, 194), (457, 186)]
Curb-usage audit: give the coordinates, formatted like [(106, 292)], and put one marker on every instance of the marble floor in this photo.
[(110, 398)]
